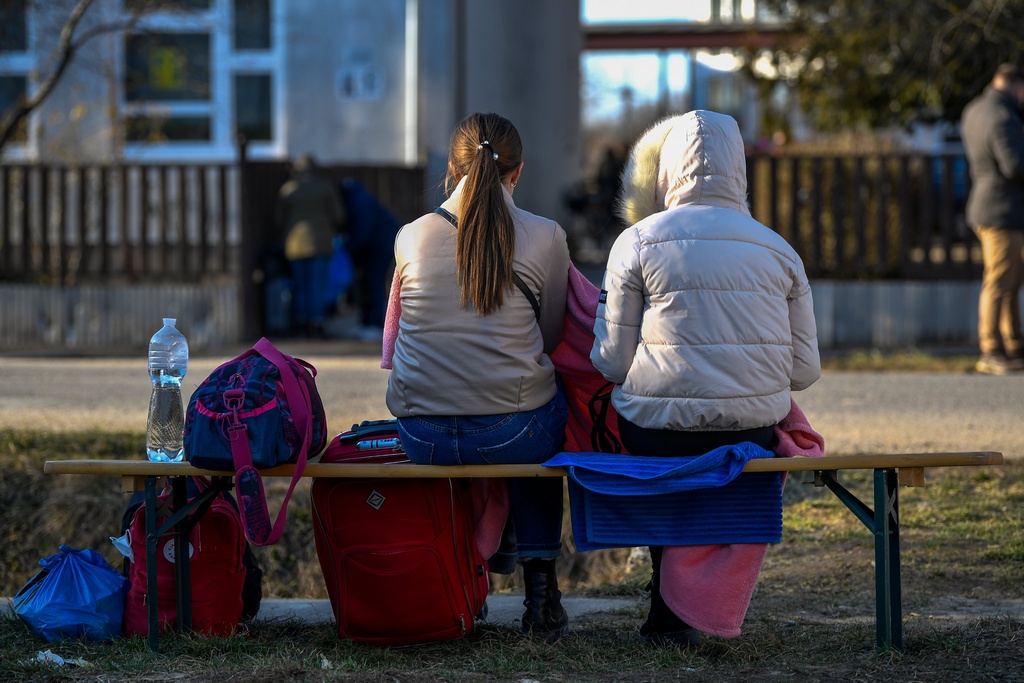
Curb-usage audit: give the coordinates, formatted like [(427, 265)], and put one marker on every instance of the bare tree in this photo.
[(69, 43)]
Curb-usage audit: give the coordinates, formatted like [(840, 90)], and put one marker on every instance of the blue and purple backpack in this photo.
[(258, 410)]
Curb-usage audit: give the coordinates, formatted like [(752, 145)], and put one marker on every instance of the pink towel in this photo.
[(391, 319), (572, 360), (710, 586), (796, 437)]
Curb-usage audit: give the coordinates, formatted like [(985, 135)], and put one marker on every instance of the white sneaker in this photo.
[(994, 364)]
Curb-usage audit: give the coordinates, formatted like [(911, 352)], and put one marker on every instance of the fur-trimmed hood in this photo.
[(695, 158)]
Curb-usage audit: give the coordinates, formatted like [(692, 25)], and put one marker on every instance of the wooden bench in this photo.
[(890, 472)]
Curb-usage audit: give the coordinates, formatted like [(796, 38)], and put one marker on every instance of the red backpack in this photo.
[(398, 555), (217, 547)]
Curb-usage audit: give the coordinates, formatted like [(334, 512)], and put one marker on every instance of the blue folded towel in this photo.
[(626, 500)]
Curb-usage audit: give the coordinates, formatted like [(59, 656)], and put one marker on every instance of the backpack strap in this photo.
[(252, 499), (515, 276)]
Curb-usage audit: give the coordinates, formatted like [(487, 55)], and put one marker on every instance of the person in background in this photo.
[(370, 231), (705, 322), (309, 213), (993, 135), (472, 380)]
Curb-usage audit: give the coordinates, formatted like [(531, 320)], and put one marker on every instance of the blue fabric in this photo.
[(619, 501), (634, 475), (535, 503), (371, 231), (368, 222), (310, 277)]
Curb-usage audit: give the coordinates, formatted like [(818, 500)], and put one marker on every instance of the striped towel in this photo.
[(625, 500)]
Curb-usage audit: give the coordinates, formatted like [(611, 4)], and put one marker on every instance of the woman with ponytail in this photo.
[(482, 301)]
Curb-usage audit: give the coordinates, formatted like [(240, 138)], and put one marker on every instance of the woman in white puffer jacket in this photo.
[(705, 324)]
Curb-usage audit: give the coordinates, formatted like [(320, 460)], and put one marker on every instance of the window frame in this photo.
[(23, 63), (225, 64)]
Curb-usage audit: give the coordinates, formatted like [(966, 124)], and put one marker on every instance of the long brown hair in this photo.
[(485, 148)]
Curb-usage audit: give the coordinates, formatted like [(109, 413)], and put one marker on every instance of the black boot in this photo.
[(544, 616), (663, 627)]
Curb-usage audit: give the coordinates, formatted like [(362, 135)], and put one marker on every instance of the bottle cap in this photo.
[(170, 321)]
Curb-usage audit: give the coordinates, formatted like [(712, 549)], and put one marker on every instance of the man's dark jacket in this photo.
[(993, 136)]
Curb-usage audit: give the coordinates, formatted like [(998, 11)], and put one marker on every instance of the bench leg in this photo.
[(883, 522), (151, 587), (182, 557), (179, 523), (888, 594)]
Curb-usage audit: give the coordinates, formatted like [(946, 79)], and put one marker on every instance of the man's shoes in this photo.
[(998, 364)]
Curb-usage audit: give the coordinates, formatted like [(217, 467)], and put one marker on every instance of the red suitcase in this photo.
[(398, 555)]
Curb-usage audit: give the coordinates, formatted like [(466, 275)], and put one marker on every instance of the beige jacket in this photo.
[(310, 213), (707, 323), (452, 361)]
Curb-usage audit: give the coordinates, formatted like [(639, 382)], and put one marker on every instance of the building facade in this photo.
[(372, 82)]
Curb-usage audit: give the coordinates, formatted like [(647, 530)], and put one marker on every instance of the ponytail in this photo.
[(485, 148)]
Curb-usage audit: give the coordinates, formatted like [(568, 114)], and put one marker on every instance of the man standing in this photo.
[(993, 136), (310, 213)]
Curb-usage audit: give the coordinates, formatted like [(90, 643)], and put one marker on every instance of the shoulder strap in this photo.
[(515, 276), (252, 501)]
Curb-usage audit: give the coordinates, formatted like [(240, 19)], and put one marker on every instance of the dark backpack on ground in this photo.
[(398, 555), (225, 577)]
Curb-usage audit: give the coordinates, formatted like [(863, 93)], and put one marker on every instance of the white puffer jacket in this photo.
[(706, 321)]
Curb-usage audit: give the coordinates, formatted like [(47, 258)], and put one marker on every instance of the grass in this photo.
[(812, 617), (905, 360)]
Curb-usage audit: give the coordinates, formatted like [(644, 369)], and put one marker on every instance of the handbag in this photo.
[(258, 410)]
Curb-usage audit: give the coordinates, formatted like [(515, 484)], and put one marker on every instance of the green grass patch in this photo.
[(906, 360)]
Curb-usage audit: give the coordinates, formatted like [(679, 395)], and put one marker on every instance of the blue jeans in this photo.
[(310, 277), (533, 436)]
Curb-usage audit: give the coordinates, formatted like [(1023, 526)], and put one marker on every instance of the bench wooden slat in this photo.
[(143, 468)]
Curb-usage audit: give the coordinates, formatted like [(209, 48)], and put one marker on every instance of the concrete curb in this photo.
[(505, 610)]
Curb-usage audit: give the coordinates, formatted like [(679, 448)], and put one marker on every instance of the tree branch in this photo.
[(66, 50)]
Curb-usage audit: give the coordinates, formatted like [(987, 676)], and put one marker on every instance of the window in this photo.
[(13, 26), (157, 129), (252, 24), (725, 93), (253, 110), (196, 74), (165, 67), (12, 87)]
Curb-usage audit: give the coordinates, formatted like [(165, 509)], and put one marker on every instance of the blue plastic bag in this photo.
[(76, 594), (341, 273)]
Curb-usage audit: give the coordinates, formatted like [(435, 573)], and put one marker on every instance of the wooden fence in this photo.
[(67, 225), (855, 216), (869, 216)]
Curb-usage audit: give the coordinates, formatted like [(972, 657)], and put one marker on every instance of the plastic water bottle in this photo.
[(168, 360)]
